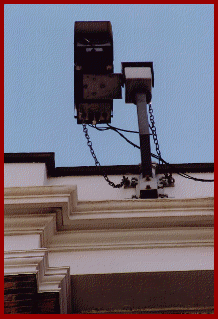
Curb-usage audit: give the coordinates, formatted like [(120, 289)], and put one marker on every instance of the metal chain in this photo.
[(154, 133), (97, 163)]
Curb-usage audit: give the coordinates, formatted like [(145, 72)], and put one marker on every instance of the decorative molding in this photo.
[(131, 239), (140, 213), (48, 279), (110, 239), (66, 225), (40, 200), (108, 228), (43, 225), (115, 214), (114, 229), (145, 204)]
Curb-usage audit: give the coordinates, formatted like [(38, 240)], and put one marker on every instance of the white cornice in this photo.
[(138, 213), (43, 225), (40, 200), (131, 239), (144, 204), (67, 226), (113, 214)]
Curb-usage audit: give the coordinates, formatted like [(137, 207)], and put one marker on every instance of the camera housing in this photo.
[(95, 84)]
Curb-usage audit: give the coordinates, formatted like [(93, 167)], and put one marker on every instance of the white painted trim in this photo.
[(48, 280), (156, 259), (27, 241), (148, 204), (68, 227), (42, 225), (107, 214), (100, 240), (41, 199)]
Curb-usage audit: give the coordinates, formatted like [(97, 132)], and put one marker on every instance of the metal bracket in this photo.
[(130, 183), (166, 181), (147, 186)]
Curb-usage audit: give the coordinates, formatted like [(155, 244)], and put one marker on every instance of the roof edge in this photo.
[(49, 159), (45, 157)]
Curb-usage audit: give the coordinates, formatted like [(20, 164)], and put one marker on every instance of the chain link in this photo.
[(97, 163), (154, 133)]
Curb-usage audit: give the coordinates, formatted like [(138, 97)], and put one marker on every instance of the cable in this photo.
[(103, 128), (120, 129), (115, 129), (99, 128), (186, 175)]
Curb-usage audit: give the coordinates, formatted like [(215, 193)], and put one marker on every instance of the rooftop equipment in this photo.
[(95, 87)]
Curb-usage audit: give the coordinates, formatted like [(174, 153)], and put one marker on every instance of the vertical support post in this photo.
[(144, 134)]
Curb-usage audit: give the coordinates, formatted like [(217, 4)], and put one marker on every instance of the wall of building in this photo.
[(24, 174), (116, 254), (95, 188)]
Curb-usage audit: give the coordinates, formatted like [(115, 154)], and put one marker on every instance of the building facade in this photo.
[(73, 244)]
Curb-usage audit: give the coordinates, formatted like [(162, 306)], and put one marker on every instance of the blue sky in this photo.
[(39, 75)]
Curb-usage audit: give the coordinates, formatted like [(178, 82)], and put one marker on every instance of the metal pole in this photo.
[(144, 133)]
